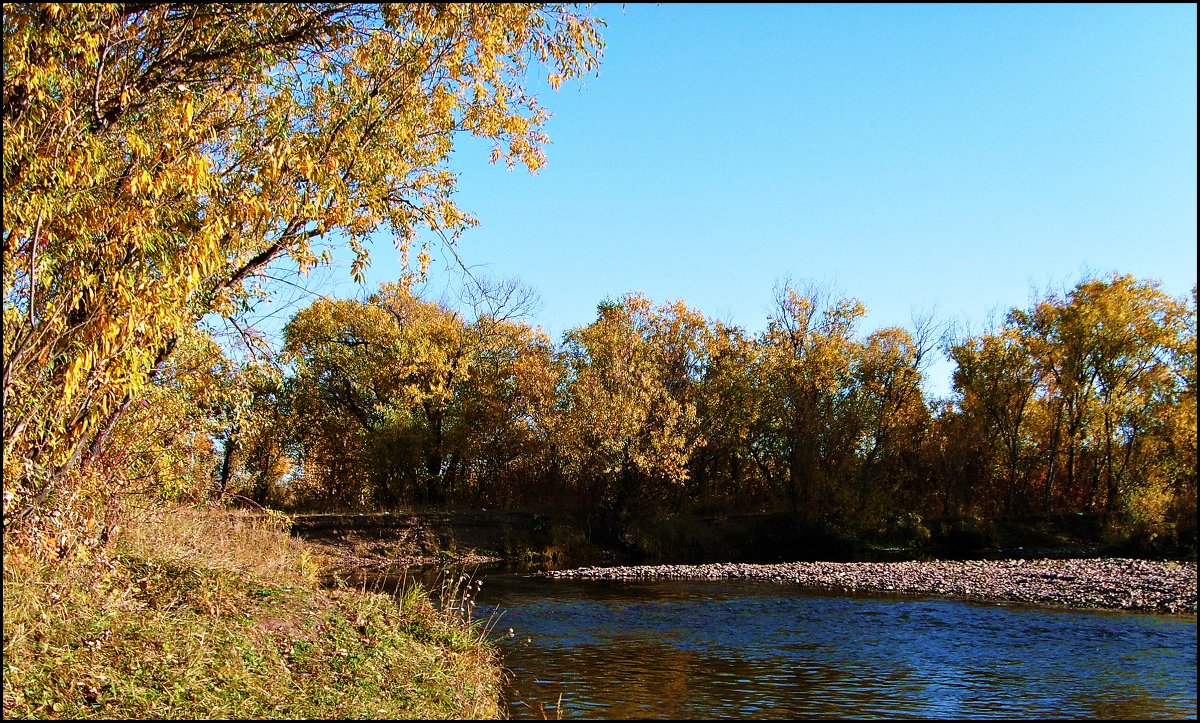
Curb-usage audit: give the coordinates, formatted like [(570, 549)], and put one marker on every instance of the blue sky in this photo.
[(954, 158)]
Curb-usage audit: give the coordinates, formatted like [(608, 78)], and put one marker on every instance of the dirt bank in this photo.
[(399, 540), (395, 541)]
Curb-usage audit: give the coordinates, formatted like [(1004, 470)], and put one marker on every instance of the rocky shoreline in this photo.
[(1106, 583)]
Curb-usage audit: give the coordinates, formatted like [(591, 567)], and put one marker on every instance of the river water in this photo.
[(708, 650)]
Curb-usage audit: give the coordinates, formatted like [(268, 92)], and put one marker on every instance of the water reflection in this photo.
[(735, 650), (690, 649)]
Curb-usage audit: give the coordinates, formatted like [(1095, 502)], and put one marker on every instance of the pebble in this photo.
[(1107, 583)]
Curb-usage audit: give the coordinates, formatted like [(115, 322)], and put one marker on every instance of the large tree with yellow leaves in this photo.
[(158, 156)]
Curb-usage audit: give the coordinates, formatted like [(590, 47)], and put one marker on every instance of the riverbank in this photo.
[(562, 539), (212, 614), (397, 541), (1105, 583), (1067, 570)]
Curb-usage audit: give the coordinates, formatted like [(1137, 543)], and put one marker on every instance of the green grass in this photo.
[(201, 614)]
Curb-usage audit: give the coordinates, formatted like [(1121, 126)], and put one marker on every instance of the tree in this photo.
[(629, 425), (808, 355), (996, 380), (507, 405), (893, 419), (430, 409), (385, 372), (342, 386), (1058, 341), (1083, 402), (1109, 351), (157, 157), (725, 467)]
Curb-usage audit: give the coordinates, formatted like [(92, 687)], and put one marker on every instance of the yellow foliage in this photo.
[(157, 157)]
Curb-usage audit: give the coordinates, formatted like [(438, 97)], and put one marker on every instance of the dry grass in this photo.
[(202, 614)]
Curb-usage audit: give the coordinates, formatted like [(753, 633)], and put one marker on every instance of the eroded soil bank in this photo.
[(416, 539), (1074, 575)]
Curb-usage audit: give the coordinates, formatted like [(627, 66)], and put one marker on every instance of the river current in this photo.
[(710, 650)]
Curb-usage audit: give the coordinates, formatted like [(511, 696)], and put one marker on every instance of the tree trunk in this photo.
[(227, 461)]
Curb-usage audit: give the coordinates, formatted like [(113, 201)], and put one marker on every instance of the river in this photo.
[(709, 650)]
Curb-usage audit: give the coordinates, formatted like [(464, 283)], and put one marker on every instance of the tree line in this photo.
[(1082, 402)]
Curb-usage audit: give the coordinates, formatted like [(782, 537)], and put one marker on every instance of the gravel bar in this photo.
[(1109, 583)]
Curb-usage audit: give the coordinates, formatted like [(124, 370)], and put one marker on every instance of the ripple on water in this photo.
[(688, 649)]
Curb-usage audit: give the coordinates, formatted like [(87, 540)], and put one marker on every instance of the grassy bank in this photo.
[(202, 614)]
